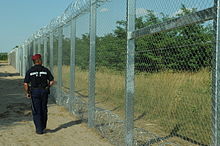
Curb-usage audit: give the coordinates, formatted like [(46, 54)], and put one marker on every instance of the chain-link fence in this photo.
[(12, 58), (140, 72), (173, 73), (15, 58)]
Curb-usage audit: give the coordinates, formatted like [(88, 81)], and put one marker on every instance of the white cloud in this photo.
[(141, 11), (104, 10), (180, 12)]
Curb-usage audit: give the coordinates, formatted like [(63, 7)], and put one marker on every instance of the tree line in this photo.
[(3, 56), (187, 48)]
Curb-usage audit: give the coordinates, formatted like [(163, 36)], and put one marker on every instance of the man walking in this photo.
[(37, 81)]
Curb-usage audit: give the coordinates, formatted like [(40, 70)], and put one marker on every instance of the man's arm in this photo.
[(26, 90), (26, 86), (51, 83), (50, 78)]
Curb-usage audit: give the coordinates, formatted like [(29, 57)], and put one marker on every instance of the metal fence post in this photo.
[(51, 52), (31, 49), (60, 47), (91, 104), (72, 63), (27, 56), (24, 60), (20, 60), (129, 107), (34, 46), (38, 46), (41, 45), (216, 77), (17, 59), (45, 51)]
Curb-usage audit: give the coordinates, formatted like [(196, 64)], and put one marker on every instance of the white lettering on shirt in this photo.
[(43, 73), (38, 73), (34, 73)]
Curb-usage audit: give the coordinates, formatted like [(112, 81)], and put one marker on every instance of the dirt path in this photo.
[(16, 125)]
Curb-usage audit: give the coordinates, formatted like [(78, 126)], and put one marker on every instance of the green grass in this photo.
[(169, 99)]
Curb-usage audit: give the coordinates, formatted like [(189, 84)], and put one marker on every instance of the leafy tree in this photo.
[(194, 50), (66, 51), (111, 52), (182, 49), (82, 51), (3, 56)]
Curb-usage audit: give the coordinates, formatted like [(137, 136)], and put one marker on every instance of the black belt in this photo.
[(38, 87)]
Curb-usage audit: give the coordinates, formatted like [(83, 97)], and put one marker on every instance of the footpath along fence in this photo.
[(140, 72)]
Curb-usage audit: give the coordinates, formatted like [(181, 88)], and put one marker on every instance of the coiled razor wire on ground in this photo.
[(108, 124)]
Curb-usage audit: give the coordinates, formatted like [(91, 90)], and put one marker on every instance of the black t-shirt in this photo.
[(38, 76)]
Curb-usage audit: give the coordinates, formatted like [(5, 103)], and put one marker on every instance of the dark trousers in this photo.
[(39, 99)]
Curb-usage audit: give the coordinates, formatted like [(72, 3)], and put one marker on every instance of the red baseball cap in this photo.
[(36, 56)]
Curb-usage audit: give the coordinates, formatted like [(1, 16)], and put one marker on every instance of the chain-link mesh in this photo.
[(55, 54), (173, 69), (80, 101), (66, 59), (110, 70), (49, 61), (41, 51), (30, 53), (173, 76), (12, 58), (15, 58)]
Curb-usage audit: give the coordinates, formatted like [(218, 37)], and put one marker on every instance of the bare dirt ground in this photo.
[(16, 125)]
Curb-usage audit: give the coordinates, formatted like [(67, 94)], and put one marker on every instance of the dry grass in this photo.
[(3, 61), (168, 99), (177, 99)]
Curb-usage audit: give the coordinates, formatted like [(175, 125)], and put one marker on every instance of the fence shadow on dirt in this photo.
[(63, 126), (14, 106)]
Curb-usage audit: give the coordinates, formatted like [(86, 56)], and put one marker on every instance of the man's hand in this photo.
[(52, 83), (28, 95)]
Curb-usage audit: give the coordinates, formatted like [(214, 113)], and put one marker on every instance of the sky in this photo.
[(19, 19)]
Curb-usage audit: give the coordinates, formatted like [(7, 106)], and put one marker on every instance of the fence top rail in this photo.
[(196, 17)]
